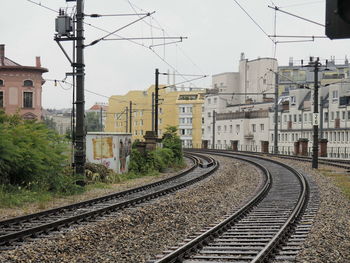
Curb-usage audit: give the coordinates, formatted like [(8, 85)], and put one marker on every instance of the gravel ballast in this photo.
[(329, 238), (138, 234)]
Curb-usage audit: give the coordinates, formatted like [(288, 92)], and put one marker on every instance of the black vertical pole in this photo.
[(130, 116), (126, 119), (156, 102), (315, 124), (275, 142), (213, 143), (152, 111), (101, 119), (80, 155)]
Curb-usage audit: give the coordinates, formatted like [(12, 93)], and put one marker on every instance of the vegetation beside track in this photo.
[(34, 163), (341, 179)]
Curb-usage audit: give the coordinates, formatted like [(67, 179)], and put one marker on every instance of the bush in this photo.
[(31, 155)]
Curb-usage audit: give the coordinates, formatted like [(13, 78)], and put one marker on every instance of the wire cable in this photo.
[(256, 23)]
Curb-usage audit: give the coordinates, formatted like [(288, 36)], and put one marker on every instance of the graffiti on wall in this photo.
[(102, 148), (124, 154)]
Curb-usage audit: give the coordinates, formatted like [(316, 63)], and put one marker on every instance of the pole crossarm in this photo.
[(99, 15), (296, 36), (300, 17), (119, 29)]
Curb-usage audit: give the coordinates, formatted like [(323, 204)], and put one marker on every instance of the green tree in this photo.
[(30, 153), (173, 142)]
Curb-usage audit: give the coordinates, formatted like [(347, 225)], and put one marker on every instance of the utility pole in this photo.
[(316, 65), (156, 103), (101, 119), (152, 111), (130, 113), (275, 142), (126, 119), (214, 117), (80, 144)]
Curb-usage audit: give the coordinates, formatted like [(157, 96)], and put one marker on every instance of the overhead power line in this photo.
[(256, 23)]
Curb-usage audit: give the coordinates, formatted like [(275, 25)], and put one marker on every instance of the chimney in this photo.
[(2, 54), (37, 62)]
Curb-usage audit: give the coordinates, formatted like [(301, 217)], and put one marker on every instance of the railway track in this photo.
[(340, 163), (269, 228), (15, 231)]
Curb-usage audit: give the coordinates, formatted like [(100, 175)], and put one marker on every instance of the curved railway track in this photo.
[(269, 228), (15, 230), (340, 163)]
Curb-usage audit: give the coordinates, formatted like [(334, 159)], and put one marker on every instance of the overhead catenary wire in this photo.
[(256, 23)]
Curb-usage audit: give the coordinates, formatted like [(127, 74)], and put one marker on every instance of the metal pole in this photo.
[(213, 143), (315, 125), (101, 119), (275, 142), (126, 119), (152, 111), (80, 155), (321, 116), (156, 101), (130, 116)]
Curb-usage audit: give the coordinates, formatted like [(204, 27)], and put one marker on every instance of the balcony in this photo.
[(249, 136)]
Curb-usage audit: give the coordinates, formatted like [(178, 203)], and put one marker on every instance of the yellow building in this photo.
[(182, 109)]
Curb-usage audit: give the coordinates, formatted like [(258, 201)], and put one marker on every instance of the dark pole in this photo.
[(152, 111), (213, 143), (275, 142), (315, 117), (126, 119), (130, 116), (156, 101), (80, 154), (321, 116), (101, 119)]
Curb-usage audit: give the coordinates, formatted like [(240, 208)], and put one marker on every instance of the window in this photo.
[(28, 83), (300, 118), (292, 100), (225, 128), (343, 115), (237, 128), (27, 99), (230, 128), (285, 118), (254, 127), (141, 122), (160, 110), (219, 128), (305, 117), (1, 99), (332, 114), (182, 120), (182, 109), (295, 118), (160, 121), (189, 120), (262, 127), (348, 115), (326, 116), (215, 100), (182, 131), (290, 117), (310, 117), (335, 94), (1, 82), (209, 114), (338, 115)]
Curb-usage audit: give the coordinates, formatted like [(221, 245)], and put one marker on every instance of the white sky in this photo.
[(217, 31)]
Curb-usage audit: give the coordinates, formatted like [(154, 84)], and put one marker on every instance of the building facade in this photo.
[(21, 87), (180, 107)]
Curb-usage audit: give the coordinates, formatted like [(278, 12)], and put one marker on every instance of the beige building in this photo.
[(21, 87), (180, 107)]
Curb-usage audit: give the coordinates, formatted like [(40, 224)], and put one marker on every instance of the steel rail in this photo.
[(197, 243), (201, 240), (45, 227), (99, 199)]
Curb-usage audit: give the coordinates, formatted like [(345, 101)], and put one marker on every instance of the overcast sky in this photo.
[(217, 31)]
